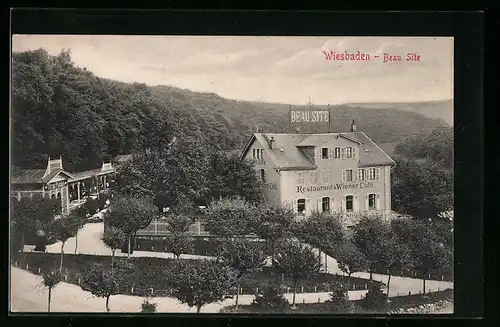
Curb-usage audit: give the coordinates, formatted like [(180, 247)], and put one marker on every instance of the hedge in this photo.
[(400, 303), (150, 273)]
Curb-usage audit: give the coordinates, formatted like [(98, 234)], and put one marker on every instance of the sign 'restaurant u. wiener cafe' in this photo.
[(335, 187)]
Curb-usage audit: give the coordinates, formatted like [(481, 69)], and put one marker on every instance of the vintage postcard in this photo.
[(231, 174)]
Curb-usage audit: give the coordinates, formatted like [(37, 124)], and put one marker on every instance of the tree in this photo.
[(394, 255), (272, 222), (324, 231), (374, 298), (424, 246), (50, 280), (178, 243), (422, 189), (197, 283), (64, 228), (101, 282), (81, 216), (270, 298), (32, 213), (227, 217), (297, 260), (243, 256), (233, 177), (130, 214), (369, 236), (113, 238), (179, 223), (436, 146), (350, 259), (91, 206), (339, 297)]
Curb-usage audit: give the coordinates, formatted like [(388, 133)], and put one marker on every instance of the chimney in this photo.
[(353, 126), (271, 141)]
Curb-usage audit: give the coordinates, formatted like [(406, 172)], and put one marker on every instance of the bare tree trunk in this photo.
[(50, 295), (62, 257), (128, 253), (294, 291), (388, 283), (349, 281), (237, 294), (76, 242), (107, 303), (326, 264), (424, 283), (198, 308), (371, 276), (22, 241), (112, 259)]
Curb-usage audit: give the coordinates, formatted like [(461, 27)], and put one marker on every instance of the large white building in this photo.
[(344, 173)]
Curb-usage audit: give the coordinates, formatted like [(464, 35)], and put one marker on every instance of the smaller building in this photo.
[(57, 183)]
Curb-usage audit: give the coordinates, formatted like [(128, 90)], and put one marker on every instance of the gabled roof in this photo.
[(286, 153), (35, 176), (27, 176), (317, 139)]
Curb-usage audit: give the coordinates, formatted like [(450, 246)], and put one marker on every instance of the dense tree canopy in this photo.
[(62, 109)]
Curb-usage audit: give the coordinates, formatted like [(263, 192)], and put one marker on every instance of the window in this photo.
[(348, 152), (301, 205), (371, 202), (261, 153), (371, 174), (361, 174), (325, 176), (253, 153), (324, 153), (349, 203), (258, 154), (348, 175), (300, 178), (314, 177), (325, 204), (337, 153), (263, 175)]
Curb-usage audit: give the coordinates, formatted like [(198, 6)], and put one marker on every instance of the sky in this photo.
[(268, 69)]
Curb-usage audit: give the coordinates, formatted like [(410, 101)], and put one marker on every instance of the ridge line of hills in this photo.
[(59, 108)]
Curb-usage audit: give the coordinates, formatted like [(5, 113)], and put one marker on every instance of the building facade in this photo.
[(344, 173), (55, 182)]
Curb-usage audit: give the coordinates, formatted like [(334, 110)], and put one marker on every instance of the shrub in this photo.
[(375, 298), (148, 307), (270, 298), (339, 297)]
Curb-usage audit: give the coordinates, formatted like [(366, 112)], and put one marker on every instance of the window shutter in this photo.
[(330, 155), (342, 204), (354, 175), (343, 153), (355, 204), (294, 206), (354, 152), (332, 202), (253, 153), (343, 176), (367, 204), (377, 174), (308, 206), (377, 205), (319, 205)]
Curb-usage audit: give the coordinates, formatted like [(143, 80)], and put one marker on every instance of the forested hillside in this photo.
[(61, 109)]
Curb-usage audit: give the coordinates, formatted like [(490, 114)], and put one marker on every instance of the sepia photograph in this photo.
[(231, 174)]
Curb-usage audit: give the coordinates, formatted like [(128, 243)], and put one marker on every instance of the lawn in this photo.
[(151, 273)]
